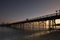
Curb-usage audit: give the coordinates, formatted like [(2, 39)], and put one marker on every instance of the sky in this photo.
[(18, 10)]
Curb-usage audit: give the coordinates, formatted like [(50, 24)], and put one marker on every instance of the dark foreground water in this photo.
[(11, 34)]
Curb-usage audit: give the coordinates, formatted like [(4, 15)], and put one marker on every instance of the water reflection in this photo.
[(13, 34), (38, 34), (10, 34)]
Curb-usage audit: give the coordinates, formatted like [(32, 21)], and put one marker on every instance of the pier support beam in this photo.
[(38, 25), (54, 24), (44, 25), (49, 24)]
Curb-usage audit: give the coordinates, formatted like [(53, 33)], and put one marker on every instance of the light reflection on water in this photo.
[(38, 34), (12, 34)]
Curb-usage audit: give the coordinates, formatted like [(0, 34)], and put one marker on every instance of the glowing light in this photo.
[(57, 21)]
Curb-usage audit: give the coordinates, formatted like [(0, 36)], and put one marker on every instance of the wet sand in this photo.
[(48, 36), (12, 34)]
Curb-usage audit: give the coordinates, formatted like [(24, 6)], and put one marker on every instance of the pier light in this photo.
[(56, 11), (59, 11), (27, 19)]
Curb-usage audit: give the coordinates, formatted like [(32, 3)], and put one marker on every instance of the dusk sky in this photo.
[(18, 10)]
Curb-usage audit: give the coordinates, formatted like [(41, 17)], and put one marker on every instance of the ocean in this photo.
[(11, 34), (14, 34)]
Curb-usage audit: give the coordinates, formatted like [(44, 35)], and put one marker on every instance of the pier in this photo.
[(38, 23)]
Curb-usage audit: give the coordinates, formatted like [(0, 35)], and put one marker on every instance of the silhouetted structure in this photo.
[(41, 22)]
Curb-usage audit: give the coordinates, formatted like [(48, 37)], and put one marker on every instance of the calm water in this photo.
[(11, 34)]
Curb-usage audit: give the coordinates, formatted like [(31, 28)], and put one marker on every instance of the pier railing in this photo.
[(55, 14)]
